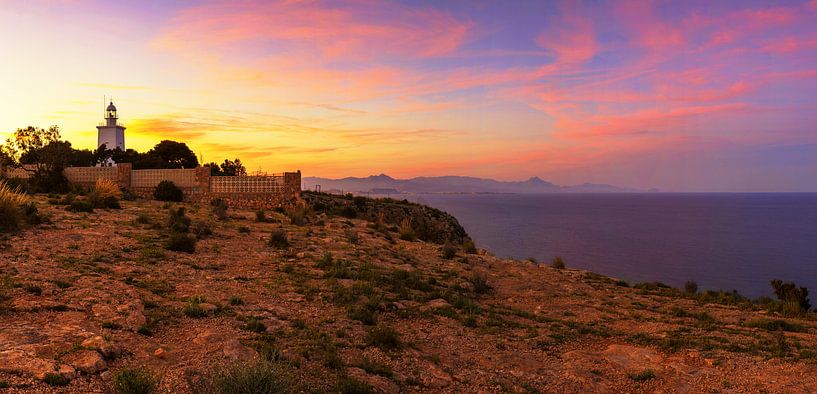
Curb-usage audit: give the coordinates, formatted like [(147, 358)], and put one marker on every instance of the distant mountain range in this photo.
[(384, 184)]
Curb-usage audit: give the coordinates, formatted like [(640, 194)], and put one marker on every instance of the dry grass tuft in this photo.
[(105, 188)]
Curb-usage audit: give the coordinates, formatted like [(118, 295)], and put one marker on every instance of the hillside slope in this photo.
[(346, 307)]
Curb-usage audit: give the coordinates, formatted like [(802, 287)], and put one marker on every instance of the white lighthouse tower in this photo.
[(111, 133)]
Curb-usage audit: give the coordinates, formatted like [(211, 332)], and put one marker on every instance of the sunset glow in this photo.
[(686, 96)]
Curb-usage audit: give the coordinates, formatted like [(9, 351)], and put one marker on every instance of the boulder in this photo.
[(86, 361)]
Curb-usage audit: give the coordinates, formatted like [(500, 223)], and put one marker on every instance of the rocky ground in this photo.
[(347, 305)]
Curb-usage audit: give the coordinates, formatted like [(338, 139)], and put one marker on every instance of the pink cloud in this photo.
[(572, 41), (357, 29)]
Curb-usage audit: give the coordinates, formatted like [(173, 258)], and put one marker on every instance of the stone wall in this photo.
[(252, 192), (87, 176)]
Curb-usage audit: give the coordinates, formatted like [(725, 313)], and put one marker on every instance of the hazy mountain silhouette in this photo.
[(384, 184)]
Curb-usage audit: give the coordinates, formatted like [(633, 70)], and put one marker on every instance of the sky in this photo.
[(677, 95)]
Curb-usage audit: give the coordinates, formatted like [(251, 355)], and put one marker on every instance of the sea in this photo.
[(727, 241)]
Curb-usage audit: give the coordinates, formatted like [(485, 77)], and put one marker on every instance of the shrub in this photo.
[(179, 242), (55, 379), (168, 191), (177, 221), (347, 385), (255, 377), (11, 199), (374, 367), (6, 288), (261, 216), (449, 251), (363, 315), (219, 208), (244, 230), (201, 230), (236, 300), (642, 376), (143, 218), (81, 206), (558, 263), (795, 299), (348, 212), (279, 239), (480, 283), (133, 381), (106, 194), (407, 231), (384, 337), (469, 247), (691, 287), (193, 307), (297, 216)]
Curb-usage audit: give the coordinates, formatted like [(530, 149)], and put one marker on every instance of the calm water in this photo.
[(738, 241)]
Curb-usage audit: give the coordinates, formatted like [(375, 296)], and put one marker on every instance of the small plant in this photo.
[(177, 221), (168, 191), (236, 300), (143, 218), (81, 206), (6, 288), (642, 376), (469, 247), (347, 385), (558, 263), (691, 287), (201, 230), (278, 239), (261, 216), (297, 216), (407, 231), (255, 326), (384, 337), (219, 208), (106, 194), (374, 367), (795, 300), (33, 289), (244, 230), (449, 251), (133, 381), (11, 199), (181, 243), (193, 307), (260, 376), (480, 282), (55, 379)]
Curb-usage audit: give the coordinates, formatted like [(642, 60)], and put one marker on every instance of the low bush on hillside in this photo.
[(261, 216), (260, 376), (106, 194), (177, 221), (691, 287), (81, 206), (178, 225), (168, 191), (181, 243), (6, 289), (407, 231), (480, 283), (297, 216), (219, 208), (558, 263), (384, 337), (449, 251), (12, 203), (794, 300), (469, 247), (278, 239), (133, 381)]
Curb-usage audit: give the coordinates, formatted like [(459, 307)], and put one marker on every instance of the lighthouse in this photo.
[(111, 133)]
